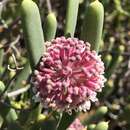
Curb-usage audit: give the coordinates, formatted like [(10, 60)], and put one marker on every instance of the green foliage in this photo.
[(91, 126), (116, 60), (107, 60), (98, 115), (102, 126), (50, 26), (7, 113), (1, 57), (33, 32), (2, 87), (66, 120), (93, 24), (22, 76), (108, 89), (84, 19), (71, 17), (125, 115)]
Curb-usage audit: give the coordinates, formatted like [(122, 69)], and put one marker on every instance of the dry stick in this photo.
[(9, 28), (2, 4), (8, 85), (49, 5), (16, 65), (18, 92), (11, 45), (17, 72)]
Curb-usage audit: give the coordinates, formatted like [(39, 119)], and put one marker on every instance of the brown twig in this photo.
[(49, 5)]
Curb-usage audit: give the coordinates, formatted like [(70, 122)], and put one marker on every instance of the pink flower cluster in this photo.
[(69, 75), (76, 125)]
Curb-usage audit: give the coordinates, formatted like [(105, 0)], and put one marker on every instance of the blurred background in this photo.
[(115, 51)]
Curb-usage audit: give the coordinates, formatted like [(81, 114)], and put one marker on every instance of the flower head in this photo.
[(76, 125), (69, 75)]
